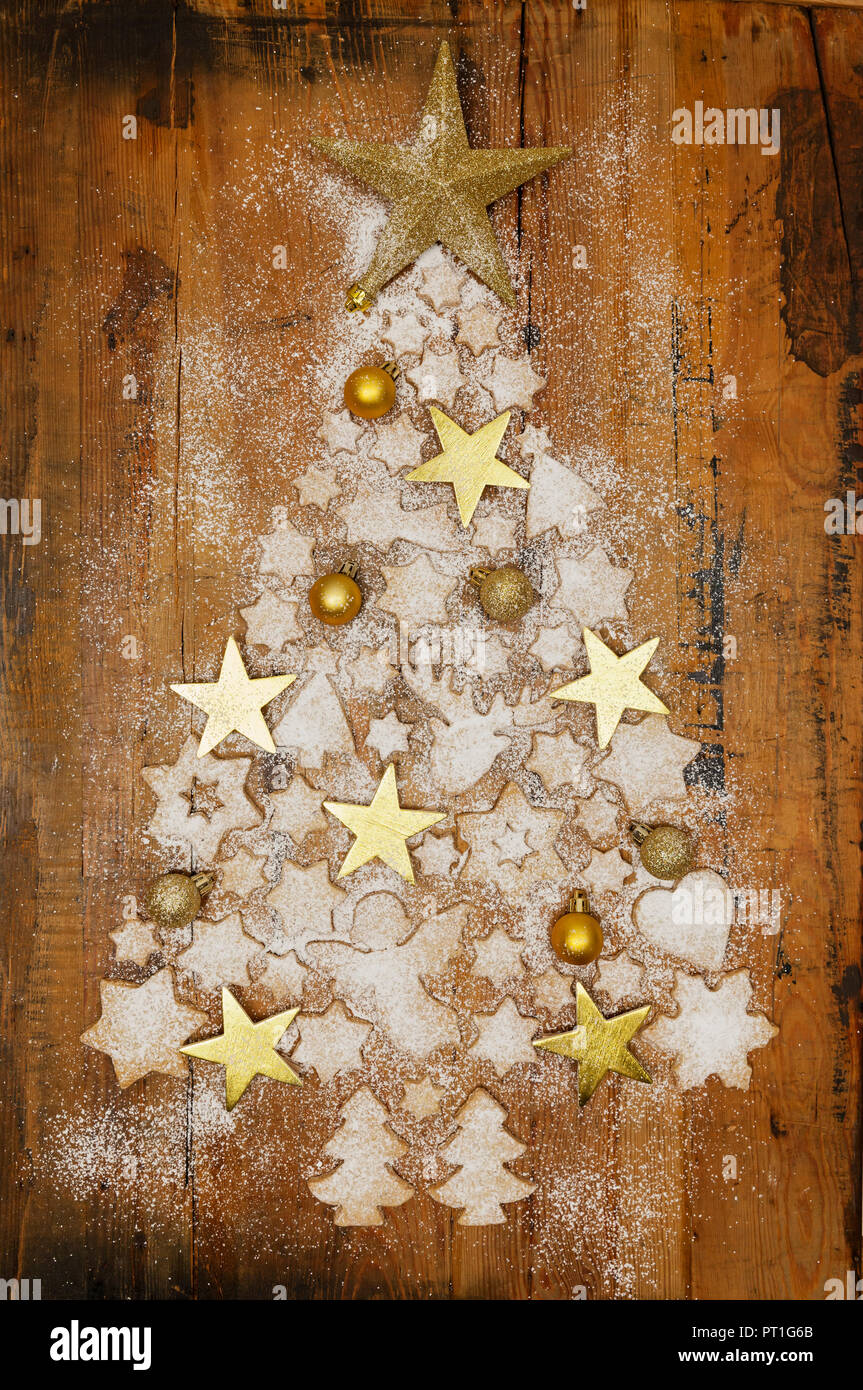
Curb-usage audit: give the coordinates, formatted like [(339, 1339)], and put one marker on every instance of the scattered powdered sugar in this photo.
[(401, 989)]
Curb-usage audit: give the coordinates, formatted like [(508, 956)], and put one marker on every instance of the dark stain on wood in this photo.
[(816, 275), (19, 600), (849, 419), (847, 992), (146, 278), (171, 104)]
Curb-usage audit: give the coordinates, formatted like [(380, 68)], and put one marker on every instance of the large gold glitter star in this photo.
[(613, 684), (246, 1049), (439, 189), (381, 828), (234, 702), (468, 461), (598, 1044)]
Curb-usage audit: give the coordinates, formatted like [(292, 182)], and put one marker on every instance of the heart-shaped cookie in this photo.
[(691, 921)]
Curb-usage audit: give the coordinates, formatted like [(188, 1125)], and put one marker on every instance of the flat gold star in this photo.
[(246, 1049), (468, 461), (439, 189), (613, 684), (234, 702), (381, 828), (598, 1044)]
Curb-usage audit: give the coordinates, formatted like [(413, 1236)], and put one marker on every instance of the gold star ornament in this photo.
[(613, 684), (468, 461), (439, 189), (234, 702), (246, 1049), (598, 1044), (381, 828)]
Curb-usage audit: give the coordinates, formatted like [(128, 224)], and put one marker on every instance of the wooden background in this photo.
[(109, 249)]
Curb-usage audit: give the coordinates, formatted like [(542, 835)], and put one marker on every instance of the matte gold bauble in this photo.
[(666, 851), (576, 937), (371, 391), (505, 594), (336, 598), (174, 900)]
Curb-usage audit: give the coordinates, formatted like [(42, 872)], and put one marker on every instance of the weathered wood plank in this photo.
[(154, 257)]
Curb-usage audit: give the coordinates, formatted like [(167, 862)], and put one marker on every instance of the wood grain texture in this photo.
[(118, 256)]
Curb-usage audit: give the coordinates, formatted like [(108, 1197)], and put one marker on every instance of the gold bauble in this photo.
[(371, 391), (335, 598), (505, 594), (174, 900), (576, 937), (666, 851)]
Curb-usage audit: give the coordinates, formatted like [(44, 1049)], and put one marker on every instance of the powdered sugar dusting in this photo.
[(520, 834)]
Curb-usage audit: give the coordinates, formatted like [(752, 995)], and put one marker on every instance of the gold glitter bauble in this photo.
[(438, 189), (666, 850), (174, 900), (370, 392), (335, 598), (576, 937), (505, 594)]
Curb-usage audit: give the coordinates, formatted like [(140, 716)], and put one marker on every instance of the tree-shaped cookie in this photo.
[(363, 1182), (482, 1147), (314, 724)]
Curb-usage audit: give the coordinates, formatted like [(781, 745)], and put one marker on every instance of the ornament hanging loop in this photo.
[(357, 299)]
